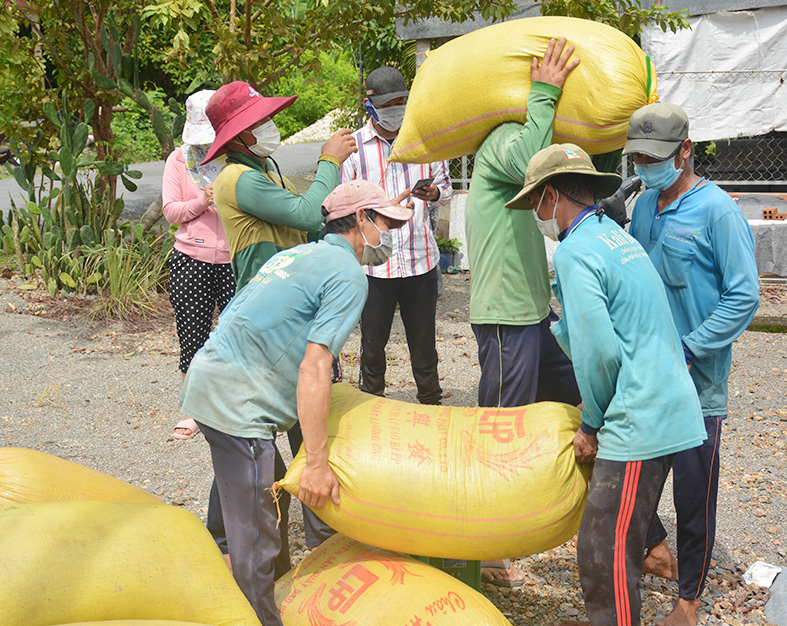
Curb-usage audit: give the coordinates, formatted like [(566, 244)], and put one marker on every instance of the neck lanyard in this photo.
[(586, 213)]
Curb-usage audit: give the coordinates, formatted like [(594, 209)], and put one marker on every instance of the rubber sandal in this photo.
[(187, 424)]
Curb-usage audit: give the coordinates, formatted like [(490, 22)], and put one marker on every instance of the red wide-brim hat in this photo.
[(234, 108)]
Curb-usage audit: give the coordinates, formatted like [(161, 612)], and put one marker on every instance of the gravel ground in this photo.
[(105, 395)]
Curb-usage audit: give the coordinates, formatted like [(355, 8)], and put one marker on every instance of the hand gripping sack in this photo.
[(71, 562), (477, 81), (344, 582), (451, 482), (28, 476)]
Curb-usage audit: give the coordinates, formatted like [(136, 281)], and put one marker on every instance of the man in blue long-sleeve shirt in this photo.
[(617, 330), (703, 249)]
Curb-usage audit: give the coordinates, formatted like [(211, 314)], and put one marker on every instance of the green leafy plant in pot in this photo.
[(448, 249)]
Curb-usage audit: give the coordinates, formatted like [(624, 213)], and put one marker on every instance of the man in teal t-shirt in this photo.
[(267, 365), (262, 213), (617, 329)]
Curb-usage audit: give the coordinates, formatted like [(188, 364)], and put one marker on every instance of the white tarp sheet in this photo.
[(745, 95)]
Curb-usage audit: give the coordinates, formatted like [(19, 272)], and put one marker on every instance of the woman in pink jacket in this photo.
[(200, 275)]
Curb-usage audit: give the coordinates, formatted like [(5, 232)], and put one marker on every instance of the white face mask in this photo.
[(379, 254), (390, 118), (549, 228), (268, 138)]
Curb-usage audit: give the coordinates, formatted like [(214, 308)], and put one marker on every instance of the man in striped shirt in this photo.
[(409, 278)]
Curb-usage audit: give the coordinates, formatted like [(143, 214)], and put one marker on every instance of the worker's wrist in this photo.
[(330, 158), (688, 354), (588, 429), (547, 88)]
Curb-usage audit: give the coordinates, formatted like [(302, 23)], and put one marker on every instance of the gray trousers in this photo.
[(259, 549), (314, 528)]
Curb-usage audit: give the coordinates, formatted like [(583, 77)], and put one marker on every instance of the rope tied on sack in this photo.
[(276, 495)]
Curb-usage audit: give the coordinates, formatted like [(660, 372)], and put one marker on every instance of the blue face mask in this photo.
[(661, 175), (389, 118)]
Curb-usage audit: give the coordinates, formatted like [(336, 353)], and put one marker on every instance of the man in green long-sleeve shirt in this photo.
[(260, 210), (520, 360)]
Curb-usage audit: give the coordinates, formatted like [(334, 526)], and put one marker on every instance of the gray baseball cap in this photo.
[(385, 84), (562, 159), (657, 130)]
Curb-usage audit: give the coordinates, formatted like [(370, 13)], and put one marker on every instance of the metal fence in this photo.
[(740, 164)]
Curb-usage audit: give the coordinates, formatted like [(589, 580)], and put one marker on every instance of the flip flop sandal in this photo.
[(498, 581), (186, 424)]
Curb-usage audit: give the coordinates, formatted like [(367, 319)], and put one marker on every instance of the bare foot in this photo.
[(660, 562), (497, 573), (684, 614)]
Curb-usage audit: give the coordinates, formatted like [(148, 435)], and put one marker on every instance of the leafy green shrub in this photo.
[(131, 270), (316, 96), (134, 137), (66, 236)]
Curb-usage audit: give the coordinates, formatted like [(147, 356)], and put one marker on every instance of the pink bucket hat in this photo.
[(234, 108), (352, 195), (197, 130)]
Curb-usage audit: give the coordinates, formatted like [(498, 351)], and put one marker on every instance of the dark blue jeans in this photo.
[(695, 485), (523, 364)]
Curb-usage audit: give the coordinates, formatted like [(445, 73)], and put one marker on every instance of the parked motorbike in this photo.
[(6, 156)]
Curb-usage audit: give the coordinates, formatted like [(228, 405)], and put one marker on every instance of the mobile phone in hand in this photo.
[(422, 184)]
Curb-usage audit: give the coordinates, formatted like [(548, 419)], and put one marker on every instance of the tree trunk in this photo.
[(152, 215), (102, 129)]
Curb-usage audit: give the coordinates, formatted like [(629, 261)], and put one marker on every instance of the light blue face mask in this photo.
[(661, 175)]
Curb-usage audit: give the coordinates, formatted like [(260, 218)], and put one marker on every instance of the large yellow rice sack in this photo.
[(465, 483), (71, 562), (346, 582), (135, 622), (473, 83), (28, 476)]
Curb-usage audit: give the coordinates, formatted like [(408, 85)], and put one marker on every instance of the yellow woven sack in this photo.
[(344, 582), (28, 476), (135, 622), (477, 81), (71, 562), (465, 483)]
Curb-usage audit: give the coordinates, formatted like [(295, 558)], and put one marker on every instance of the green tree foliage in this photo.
[(317, 96), (21, 81), (625, 15), (135, 138), (261, 42)]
